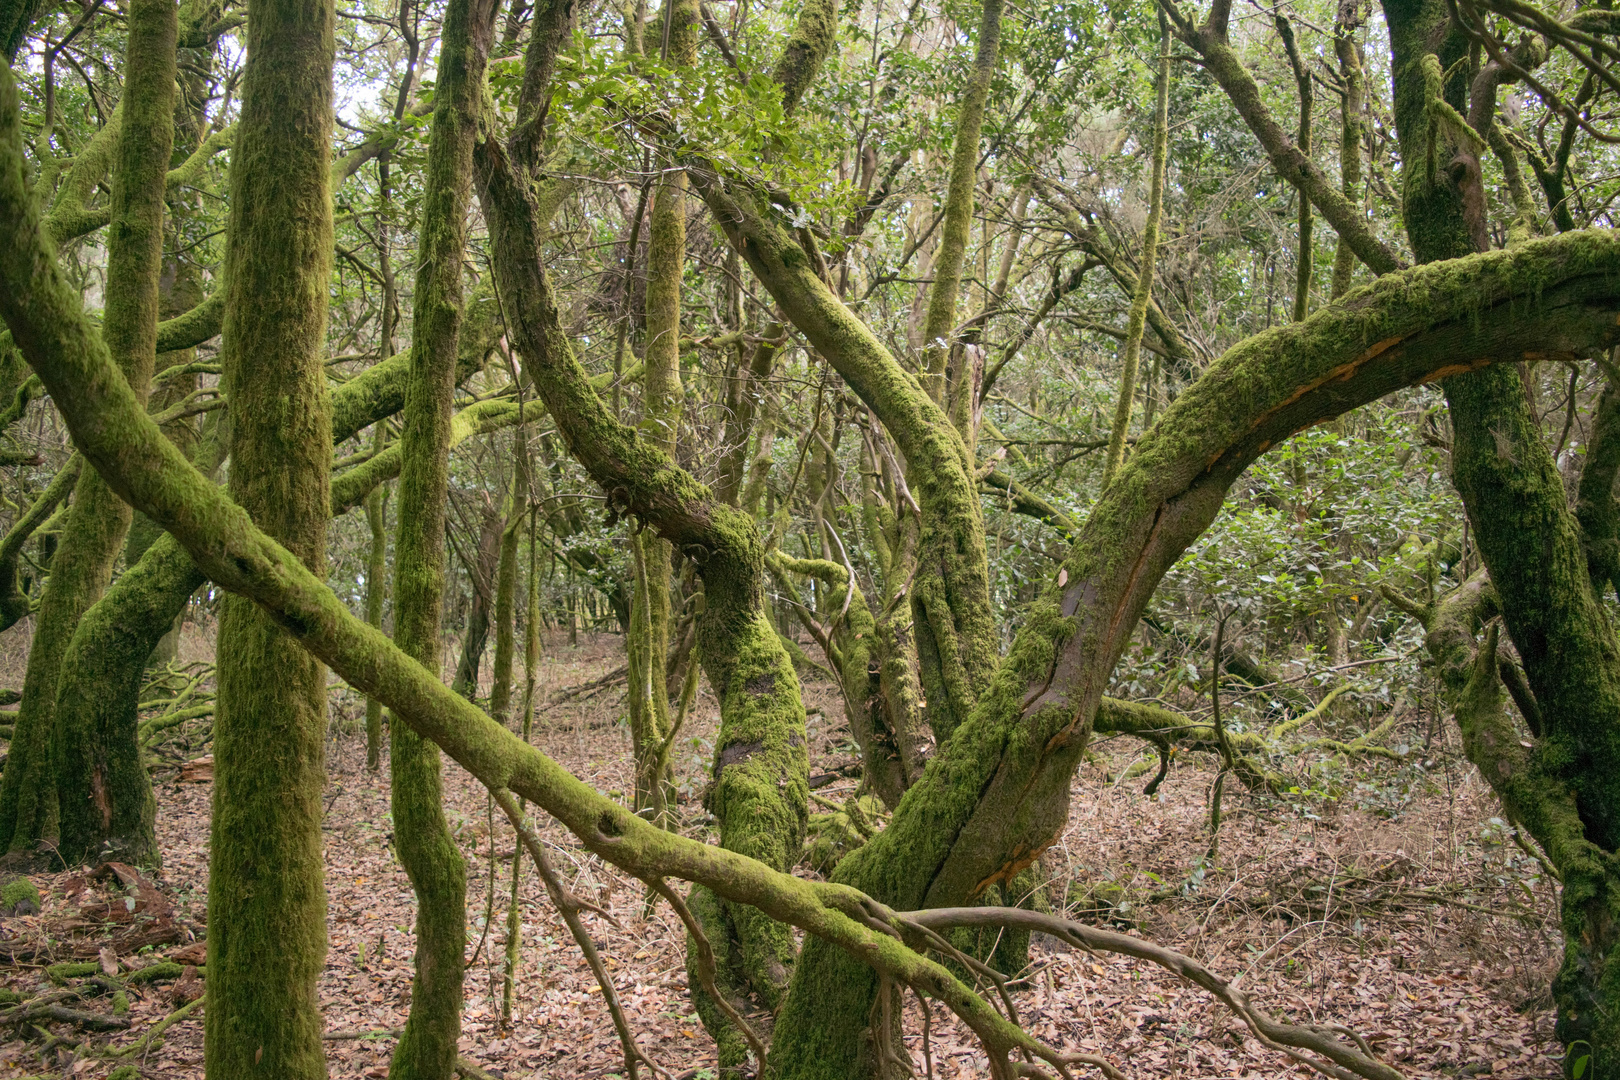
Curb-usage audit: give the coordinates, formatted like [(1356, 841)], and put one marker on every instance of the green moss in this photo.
[(806, 49), (266, 896), (958, 210), (163, 969), (427, 1047), (19, 891), (106, 792), (97, 521), (376, 591), (500, 697), (75, 969), (1142, 295)]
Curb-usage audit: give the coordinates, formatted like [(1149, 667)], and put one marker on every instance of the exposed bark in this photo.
[(1530, 542), (997, 792), (744, 397)]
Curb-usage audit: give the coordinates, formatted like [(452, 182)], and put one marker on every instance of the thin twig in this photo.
[(706, 967), (569, 906)]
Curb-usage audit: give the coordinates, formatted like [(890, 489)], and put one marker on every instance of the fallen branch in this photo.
[(90, 1021), (569, 905), (1307, 1044), (612, 678)]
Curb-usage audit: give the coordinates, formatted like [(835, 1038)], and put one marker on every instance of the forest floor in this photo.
[(1399, 908)]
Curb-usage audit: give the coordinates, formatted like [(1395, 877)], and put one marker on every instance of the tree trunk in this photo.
[(958, 222), (475, 633), (266, 893), (376, 505), (1136, 324), (1350, 128), (662, 408), (427, 1047), (761, 783), (1532, 545), (500, 694), (98, 521)]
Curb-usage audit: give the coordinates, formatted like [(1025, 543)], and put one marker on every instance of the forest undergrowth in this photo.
[(1401, 909)]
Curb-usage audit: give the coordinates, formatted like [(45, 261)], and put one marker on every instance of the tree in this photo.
[(848, 461)]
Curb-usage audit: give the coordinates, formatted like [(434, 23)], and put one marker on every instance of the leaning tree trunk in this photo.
[(105, 793), (954, 629), (266, 894), (997, 792), (761, 783), (96, 523), (427, 1047)]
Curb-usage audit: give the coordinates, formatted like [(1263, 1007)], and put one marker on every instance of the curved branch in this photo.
[(1343, 1061)]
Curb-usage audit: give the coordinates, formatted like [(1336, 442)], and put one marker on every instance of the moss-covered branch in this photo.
[(997, 792), (144, 467), (14, 603)]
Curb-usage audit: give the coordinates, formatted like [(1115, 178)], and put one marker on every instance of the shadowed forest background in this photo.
[(865, 540)]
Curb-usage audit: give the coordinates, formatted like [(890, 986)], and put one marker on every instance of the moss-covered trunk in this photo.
[(44, 754), (376, 505), (1534, 548), (954, 626), (266, 893), (427, 1047), (761, 784), (662, 402), (1398, 332), (958, 220), (1352, 102), (997, 792), (500, 693)]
